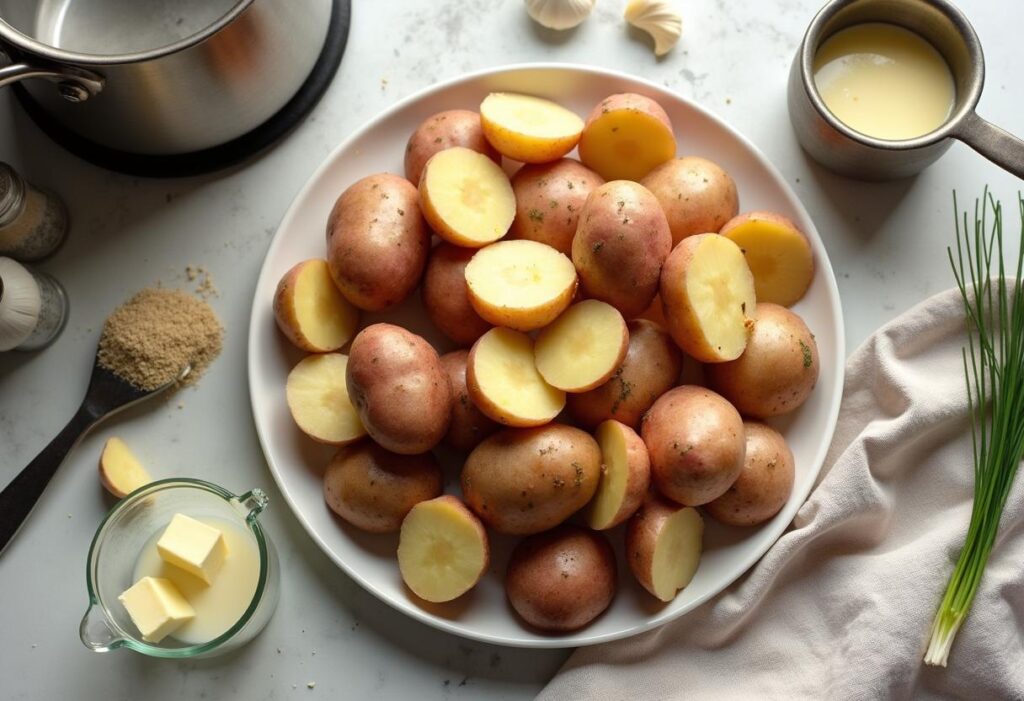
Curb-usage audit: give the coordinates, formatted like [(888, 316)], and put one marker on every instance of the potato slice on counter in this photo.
[(310, 310), (663, 546), (778, 253), (582, 348), (522, 285), (317, 397), (625, 477), (504, 383), (626, 136), (120, 471), (529, 129), (442, 550), (466, 197), (708, 294)]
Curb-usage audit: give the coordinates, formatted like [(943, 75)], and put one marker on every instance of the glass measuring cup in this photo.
[(130, 525)]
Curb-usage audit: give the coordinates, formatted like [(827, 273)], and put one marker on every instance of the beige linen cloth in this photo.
[(842, 605)]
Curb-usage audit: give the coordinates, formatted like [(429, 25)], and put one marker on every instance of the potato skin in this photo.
[(398, 387), (561, 580), (377, 241), (549, 199), (620, 246), (777, 371), (651, 367), (696, 444), (446, 297), (638, 481), (697, 195), (468, 424), (527, 480), (373, 489), (764, 484), (445, 130)]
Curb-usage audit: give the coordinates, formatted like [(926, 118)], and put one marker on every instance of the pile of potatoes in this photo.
[(572, 293)]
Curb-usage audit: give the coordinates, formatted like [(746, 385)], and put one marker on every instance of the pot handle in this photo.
[(997, 145), (74, 84)]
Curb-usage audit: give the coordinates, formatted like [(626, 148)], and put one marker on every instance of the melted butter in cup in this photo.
[(884, 81)]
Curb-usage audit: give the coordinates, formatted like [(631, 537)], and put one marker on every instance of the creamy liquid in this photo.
[(884, 81), (219, 605)]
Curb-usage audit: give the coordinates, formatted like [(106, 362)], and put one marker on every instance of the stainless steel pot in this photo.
[(161, 77)]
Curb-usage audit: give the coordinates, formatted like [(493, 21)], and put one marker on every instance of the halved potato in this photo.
[(708, 294), (310, 310), (120, 471), (529, 129), (582, 348), (626, 136), (503, 381), (778, 253), (663, 546), (522, 285), (466, 197), (317, 396), (625, 476), (442, 549)]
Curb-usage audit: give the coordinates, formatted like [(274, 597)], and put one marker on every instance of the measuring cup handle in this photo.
[(997, 145), (74, 84), (20, 496)]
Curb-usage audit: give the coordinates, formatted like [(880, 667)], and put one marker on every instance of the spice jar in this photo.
[(33, 223), (33, 307)]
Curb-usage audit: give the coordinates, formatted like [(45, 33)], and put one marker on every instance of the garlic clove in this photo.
[(658, 19), (559, 14)]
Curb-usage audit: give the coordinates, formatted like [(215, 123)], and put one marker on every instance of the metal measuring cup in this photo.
[(848, 152)]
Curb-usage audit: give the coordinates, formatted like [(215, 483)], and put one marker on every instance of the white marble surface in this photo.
[(886, 242)]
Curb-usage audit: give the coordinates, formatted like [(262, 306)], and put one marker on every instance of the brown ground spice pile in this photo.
[(149, 339)]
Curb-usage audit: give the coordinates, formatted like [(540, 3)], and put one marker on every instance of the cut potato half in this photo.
[(663, 546), (120, 471), (522, 285), (317, 397), (626, 136), (708, 294), (778, 253), (442, 549), (466, 197), (625, 476), (310, 310), (582, 348), (503, 381), (529, 129)]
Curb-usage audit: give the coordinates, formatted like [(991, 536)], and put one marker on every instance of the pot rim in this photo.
[(24, 44)]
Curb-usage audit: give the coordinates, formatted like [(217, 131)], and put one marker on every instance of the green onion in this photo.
[(994, 369)]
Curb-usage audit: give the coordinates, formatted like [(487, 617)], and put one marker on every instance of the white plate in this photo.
[(297, 464)]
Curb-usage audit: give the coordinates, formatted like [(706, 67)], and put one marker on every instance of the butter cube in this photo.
[(193, 546), (156, 607)]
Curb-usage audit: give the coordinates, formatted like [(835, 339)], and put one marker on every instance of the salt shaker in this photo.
[(33, 307), (33, 223)]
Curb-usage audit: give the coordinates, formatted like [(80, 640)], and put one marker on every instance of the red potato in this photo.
[(441, 131), (664, 542), (620, 246), (626, 136), (625, 476), (549, 198), (446, 297), (377, 241), (696, 444), (764, 484), (561, 580), (310, 310), (398, 387), (468, 425), (697, 196)]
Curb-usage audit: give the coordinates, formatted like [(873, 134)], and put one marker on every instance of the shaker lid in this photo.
[(12, 191)]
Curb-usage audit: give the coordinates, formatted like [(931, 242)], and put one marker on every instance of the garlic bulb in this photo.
[(658, 19), (559, 14)]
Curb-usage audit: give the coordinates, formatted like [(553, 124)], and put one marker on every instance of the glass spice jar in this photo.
[(33, 307), (33, 223)]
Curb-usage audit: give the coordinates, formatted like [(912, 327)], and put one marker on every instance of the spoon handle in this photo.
[(20, 496)]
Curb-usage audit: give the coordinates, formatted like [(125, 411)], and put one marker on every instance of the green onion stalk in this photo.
[(993, 362)]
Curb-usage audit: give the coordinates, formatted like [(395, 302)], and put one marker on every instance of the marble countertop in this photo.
[(886, 241)]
